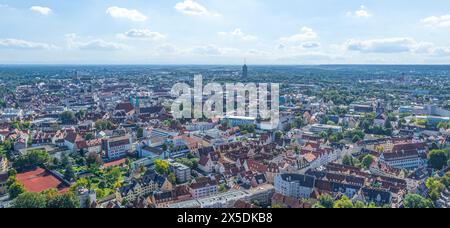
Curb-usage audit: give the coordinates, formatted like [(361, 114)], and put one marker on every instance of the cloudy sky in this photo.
[(225, 31)]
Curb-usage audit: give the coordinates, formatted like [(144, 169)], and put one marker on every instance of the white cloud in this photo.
[(23, 44), (238, 34), (441, 51), (362, 12), (166, 49), (309, 58), (310, 45), (193, 8), (396, 45), (41, 9), (95, 44), (123, 13), (210, 50), (143, 34), (306, 34), (387, 45), (437, 21)]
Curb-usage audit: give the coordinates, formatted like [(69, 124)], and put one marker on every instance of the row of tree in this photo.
[(47, 199), (363, 162), (326, 201)]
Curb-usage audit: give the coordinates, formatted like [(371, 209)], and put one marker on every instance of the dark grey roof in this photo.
[(378, 196), (303, 180)]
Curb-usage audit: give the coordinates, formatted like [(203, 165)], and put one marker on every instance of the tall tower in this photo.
[(245, 69)]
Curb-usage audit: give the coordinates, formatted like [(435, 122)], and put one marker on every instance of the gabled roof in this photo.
[(204, 160), (73, 137), (302, 180), (126, 106), (151, 110), (400, 155)]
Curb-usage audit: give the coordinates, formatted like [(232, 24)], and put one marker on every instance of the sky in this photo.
[(224, 32)]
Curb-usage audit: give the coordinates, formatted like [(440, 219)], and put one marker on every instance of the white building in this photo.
[(318, 128), (182, 172), (240, 120), (203, 189), (117, 147), (294, 185), (402, 160)]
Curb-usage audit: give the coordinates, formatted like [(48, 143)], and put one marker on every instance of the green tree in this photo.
[(388, 124), (326, 201), (81, 114), (367, 161), (299, 122), (69, 173), (417, 201), (140, 133), (104, 125), (222, 188), (278, 135), (15, 189), (67, 200), (113, 175), (226, 124), (172, 178), (32, 160), (348, 160), (68, 117), (435, 188), (30, 200), (344, 202), (162, 167), (94, 160), (89, 136), (437, 159)]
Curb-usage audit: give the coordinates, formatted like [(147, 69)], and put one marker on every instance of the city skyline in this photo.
[(220, 32)]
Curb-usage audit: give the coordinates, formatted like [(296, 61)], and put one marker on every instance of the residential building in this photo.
[(206, 164), (182, 172), (144, 186), (117, 147), (204, 188), (3, 183), (402, 159), (294, 185), (240, 120), (4, 164), (318, 128)]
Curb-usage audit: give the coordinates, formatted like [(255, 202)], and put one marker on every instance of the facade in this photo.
[(240, 120), (206, 164), (3, 164), (3, 183), (294, 185), (144, 186), (203, 189), (117, 147), (182, 172), (318, 128), (402, 160)]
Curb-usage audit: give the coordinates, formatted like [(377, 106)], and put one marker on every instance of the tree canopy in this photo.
[(417, 201)]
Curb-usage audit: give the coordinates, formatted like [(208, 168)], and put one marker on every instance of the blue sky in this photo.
[(225, 31)]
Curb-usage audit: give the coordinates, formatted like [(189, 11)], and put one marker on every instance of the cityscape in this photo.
[(241, 131)]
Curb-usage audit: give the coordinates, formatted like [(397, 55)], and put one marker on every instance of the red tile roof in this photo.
[(115, 163), (127, 107)]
